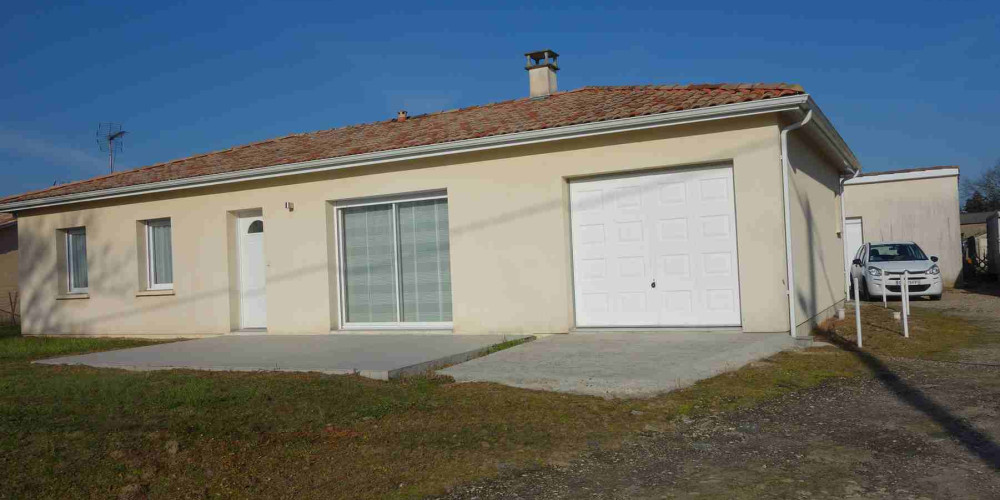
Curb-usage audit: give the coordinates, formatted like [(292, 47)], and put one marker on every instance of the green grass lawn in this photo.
[(71, 432)]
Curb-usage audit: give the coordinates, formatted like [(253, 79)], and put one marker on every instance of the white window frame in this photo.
[(150, 275), (341, 279), (69, 261)]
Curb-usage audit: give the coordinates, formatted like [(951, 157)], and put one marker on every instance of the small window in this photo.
[(159, 255), (256, 226), (76, 260)]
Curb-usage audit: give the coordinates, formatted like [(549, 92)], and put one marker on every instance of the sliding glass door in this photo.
[(369, 264), (395, 265)]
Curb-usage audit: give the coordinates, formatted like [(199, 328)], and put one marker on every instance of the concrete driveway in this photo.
[(620, 364), (600, 364), (374, 356)]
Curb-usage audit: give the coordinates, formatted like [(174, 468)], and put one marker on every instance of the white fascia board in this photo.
[(831, 137), (775, 105), (903, 176)]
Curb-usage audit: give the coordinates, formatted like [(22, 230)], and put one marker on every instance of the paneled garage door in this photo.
[(656, 249)]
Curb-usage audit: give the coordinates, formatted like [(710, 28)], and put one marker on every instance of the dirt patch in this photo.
[(911, 429), (826, 422)]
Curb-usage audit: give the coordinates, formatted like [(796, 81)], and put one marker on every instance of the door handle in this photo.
[(653, 284)]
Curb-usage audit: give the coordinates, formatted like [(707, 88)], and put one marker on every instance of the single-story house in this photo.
[(8, 269), (918, 204), (656, 206), (983, 229), (974, 226)]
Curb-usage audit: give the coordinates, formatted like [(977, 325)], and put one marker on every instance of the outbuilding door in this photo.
[(656, 249), (854, 234), (253, 297)]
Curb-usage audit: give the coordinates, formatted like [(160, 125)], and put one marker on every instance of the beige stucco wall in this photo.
[(921, 210), (8, 272), (509, 226), (817, 250)]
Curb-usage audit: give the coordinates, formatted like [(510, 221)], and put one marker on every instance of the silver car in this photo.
[(879, 269)]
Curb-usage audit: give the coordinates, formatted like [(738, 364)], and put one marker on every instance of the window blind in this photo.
[(369, 264), (162, 255), (77, 248), (424, 265)]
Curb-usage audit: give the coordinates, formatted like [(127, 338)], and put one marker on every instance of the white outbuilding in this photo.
[(919, 205)]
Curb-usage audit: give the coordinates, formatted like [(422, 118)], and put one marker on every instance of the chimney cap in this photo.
[(401, 116), (541, 54), (541, 59)]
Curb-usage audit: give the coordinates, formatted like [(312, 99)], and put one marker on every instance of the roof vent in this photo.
[(541, 72), (401, 116)]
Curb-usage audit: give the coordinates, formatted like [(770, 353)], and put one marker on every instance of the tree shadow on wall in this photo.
[(113, 269)]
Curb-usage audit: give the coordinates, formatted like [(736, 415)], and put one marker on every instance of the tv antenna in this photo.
[(109, 138)]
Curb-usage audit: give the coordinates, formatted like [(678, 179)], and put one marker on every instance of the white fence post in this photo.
[(904, 287), (857, 310), (885, 283)]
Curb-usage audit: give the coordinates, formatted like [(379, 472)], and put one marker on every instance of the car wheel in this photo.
[(865, 297)]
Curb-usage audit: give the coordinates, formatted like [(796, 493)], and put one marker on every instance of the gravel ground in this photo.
[(982, 307), (980, 303), (921, 429)]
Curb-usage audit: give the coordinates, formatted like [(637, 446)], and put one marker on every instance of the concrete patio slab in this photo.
[(620, 365), (374, 356)]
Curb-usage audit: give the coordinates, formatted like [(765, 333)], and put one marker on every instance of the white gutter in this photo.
[(830, 138), (789, 265), (843, 230)]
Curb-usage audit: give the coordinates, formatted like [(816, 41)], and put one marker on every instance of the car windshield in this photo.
[(895, 252)]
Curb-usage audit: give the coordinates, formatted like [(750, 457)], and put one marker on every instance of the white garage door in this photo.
[(656, 249)]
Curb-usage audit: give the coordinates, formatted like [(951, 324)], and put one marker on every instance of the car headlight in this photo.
[(874, 271), (934, 270)]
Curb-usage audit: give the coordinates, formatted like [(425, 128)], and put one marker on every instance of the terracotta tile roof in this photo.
[(5, 218), (584, 105)]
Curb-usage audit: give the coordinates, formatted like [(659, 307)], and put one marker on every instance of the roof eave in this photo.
[(774, 105), (879, 177), (831, 139)]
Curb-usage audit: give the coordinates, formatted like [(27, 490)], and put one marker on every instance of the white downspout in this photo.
[(843, 232), (790, 268)]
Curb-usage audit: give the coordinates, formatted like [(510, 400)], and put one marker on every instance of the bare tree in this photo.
[(987, 187)]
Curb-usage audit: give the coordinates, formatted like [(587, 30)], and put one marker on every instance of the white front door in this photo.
[(656, 249), (854, 234), (253, 297)]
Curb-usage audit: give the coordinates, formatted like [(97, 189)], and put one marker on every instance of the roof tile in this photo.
[(584, 105)]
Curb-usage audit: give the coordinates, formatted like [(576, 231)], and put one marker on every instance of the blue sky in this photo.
[(907, 84)]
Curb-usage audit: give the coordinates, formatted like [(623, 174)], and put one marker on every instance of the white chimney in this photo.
[(541, 72)]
